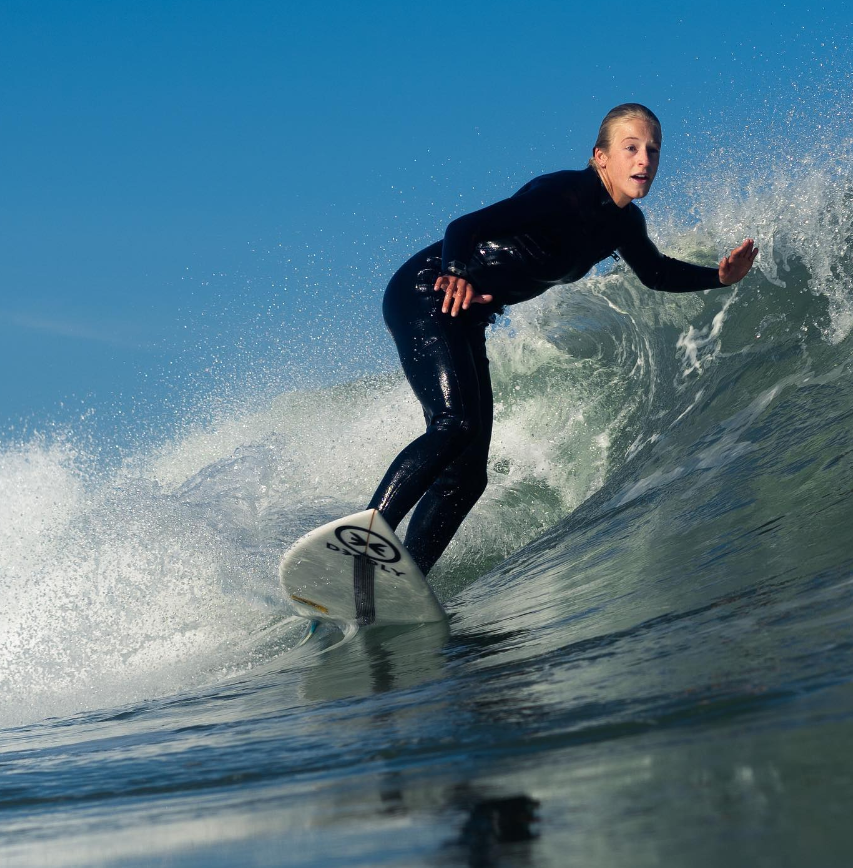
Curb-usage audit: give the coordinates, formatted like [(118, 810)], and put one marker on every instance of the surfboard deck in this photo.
[(355, 570)]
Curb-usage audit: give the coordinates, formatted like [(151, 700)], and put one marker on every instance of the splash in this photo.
[(158, 575)]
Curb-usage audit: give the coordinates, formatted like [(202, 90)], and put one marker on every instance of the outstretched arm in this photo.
[(672, 275), (736, 265)]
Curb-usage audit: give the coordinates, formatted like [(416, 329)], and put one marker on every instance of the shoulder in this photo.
[(565, 181)]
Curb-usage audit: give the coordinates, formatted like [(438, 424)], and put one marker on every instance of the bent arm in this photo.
[(660, 272)]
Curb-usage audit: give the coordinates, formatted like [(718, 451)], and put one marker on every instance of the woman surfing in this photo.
[(438, 305)]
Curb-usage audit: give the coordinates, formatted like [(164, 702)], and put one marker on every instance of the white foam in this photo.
[(161, 576), (799, 211), (110, 591), (41, 488), (700, 347)]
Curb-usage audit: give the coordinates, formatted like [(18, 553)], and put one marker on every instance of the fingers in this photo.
[(448, 285), (461, 296), (737, 264), (746, 250), (746, 253), (458, 294)]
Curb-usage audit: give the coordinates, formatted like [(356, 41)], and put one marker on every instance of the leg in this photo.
[(439, 357), (451, 497)]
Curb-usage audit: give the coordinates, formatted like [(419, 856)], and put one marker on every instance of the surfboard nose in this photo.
[(355, 570)]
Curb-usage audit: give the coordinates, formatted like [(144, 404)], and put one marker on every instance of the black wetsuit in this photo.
[(553, 230)]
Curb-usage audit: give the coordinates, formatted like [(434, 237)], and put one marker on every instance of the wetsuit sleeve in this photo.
[(538, 200), (660, 272)]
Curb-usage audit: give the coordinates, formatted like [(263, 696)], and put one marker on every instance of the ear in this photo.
[(600, 157)]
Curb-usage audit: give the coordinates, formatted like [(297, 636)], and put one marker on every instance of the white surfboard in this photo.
[(355, 570)]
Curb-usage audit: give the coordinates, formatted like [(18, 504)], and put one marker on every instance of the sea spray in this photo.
[(158, 574)]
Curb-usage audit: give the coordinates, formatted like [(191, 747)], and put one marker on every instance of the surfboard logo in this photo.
[(360, 541)]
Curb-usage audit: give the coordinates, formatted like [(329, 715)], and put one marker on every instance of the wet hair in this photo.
[(626, 111)]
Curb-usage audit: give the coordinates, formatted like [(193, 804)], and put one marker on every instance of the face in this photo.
[(630, 164)]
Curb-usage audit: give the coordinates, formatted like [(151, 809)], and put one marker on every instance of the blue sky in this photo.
[(201, 195)]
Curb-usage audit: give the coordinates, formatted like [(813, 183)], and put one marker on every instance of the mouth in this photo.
[(641, 178)]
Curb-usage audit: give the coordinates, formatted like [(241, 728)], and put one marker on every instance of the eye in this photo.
[(631, 148)]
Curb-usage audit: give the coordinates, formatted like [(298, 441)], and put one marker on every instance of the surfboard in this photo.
[(355, 571)]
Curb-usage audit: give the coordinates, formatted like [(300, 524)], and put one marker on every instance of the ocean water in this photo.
[(649, 659)]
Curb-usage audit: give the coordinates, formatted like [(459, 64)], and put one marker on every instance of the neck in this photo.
[(605, 180)]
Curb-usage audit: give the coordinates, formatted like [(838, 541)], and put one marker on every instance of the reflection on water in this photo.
[(377, 660), (493, 823)]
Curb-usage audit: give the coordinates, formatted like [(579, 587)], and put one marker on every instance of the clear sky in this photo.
[(220, 189)]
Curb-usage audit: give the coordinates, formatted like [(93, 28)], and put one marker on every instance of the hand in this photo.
[(458, 292), (736, 265)]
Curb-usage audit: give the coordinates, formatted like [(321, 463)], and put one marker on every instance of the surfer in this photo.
[(439, 304)]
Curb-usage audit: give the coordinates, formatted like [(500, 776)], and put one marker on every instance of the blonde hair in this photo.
[(624, 112)]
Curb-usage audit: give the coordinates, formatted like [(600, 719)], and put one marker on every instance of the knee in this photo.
[(477, 483), (464, 484), (463, 431)]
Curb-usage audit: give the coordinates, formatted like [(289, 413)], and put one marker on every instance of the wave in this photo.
[(157, 576)]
